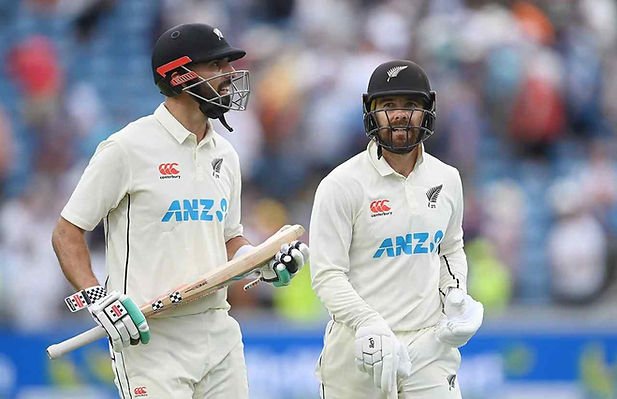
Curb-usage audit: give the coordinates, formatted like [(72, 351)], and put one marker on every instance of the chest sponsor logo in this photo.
[(410, 244), (380, 207), (216, 167), (169, 170), (432, 195), (196, 209)]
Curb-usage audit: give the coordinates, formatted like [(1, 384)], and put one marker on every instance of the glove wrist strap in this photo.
[(84, 298)]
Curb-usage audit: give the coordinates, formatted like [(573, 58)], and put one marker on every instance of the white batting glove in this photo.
[(380, 354), (286, 264), (124, 323), (464, 317)]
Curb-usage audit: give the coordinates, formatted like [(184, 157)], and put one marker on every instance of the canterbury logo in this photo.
[(380, 208), (140, 391), (394, 71), (432, 195), (169, 170)]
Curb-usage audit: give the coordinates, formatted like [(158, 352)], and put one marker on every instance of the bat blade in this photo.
[(223, 276), (203, 286)]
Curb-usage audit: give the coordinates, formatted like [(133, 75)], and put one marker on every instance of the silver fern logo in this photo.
[(432, 195), (394, 71), (216, 167), (451, 381), (218, 33)]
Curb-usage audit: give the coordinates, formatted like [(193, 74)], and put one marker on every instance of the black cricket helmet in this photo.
[(399, 78), (187, 44)]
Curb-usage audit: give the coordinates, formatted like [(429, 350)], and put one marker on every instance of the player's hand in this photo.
[(380, 354), (464, 317), (121, 318), (286, 264)]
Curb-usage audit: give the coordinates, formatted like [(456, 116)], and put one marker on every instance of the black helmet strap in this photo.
[(213, 111)]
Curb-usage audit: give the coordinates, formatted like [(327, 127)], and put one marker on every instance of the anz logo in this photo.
[(203, 209), (410, 244)]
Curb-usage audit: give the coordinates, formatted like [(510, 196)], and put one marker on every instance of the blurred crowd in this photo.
[(527, 111)]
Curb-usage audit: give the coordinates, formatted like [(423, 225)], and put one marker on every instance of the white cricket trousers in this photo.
[(433, 367), (188, 357)]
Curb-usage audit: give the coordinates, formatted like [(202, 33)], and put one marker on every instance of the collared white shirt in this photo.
[(383, 245), (169, 205)]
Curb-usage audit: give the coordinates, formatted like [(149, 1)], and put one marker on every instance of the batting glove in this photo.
[(121, 318), (464, 317), (380, 354), (286, 264)]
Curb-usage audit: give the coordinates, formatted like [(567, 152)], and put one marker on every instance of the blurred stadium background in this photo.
[(527, 110)]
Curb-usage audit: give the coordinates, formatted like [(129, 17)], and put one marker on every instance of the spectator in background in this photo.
[(599, 182), (503, 221), (577, 246), (25, 223), (7, 150), (34, 67)]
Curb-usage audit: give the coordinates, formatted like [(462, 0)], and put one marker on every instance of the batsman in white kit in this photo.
[(167, 187), (387, 254)]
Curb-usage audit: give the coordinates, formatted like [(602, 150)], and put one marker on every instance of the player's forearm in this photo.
[(342, 301), (453, 273), (71, 249)]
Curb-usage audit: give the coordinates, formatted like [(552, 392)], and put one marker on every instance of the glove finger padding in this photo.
[(123, 321), (298, 261), (389, 364), (293, 249), (106, 320), (284, 265), (137, 318), (283, 277), (302, 247), (470, 321), (133, 331)]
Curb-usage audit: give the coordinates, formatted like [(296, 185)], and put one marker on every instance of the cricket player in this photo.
[(387, 253), (167, 187)]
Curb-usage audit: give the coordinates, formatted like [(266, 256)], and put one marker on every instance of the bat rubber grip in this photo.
[(56, 350)]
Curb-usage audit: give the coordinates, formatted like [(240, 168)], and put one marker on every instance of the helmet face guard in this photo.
[(414, 134), (230, 94)]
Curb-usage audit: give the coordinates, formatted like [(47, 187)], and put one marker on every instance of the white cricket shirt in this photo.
[(168, 203), (382, 245)]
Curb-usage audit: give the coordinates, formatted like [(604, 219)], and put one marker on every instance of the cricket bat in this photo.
[(205, 285)]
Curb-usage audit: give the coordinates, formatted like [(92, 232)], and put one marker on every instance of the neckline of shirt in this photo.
[(179, 132), (383, 167)]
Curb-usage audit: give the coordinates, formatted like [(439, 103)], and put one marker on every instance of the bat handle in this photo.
[(56, 350)]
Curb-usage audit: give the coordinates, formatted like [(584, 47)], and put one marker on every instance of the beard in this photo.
[(400, 135), (220, 100)]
